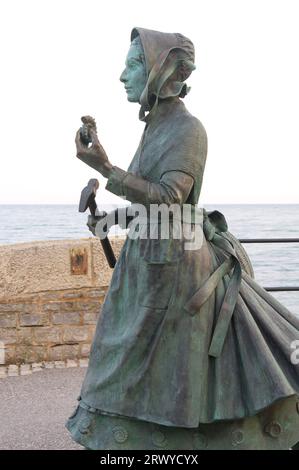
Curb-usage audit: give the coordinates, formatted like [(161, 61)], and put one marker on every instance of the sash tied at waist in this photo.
[(214, 225)]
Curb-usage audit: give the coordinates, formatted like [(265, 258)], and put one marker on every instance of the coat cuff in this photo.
[(115, 181)]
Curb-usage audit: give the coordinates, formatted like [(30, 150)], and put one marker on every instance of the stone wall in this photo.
[(51, 294)]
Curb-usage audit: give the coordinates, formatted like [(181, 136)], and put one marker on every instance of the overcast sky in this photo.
[(62, 59)]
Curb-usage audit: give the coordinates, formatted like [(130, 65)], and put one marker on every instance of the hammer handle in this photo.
[(106, 245)]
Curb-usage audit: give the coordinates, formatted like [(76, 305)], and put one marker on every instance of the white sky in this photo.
[(61, 59)]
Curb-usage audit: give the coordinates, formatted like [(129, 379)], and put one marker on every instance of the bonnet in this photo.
[(169, 61)]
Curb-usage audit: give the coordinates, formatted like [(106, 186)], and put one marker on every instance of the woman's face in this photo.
[(134, 75)]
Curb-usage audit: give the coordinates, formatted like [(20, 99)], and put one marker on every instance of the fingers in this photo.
[(94, 137), (81, 148), (78, 139)]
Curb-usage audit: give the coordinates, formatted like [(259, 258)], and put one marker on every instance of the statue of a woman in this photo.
[(189, 351)]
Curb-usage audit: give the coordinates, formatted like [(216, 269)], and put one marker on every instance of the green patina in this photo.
[(189, 351)]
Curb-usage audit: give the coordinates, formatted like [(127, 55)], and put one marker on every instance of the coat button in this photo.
[(237, 437), (200, 440), (120, 434), (159, 439), (274, 429)]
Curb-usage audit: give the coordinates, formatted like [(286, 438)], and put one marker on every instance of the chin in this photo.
[(132, 99)]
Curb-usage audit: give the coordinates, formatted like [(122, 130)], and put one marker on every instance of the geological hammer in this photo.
[(87, 200)]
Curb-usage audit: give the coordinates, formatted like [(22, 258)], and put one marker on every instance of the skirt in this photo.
[(189, 353)]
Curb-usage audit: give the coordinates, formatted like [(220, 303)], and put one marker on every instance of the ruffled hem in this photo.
[(277, 427)]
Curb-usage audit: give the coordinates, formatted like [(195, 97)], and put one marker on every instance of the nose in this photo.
[(123, 76)]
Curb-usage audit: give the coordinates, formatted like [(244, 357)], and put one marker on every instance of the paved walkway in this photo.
[(34, 408)]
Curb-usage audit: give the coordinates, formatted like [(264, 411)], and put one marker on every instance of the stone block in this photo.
[(34, 319), (71, 363), (49, 365), (73, 318), (29, 354), (90, 318), (73, 295), (85, 350), (64, 351), (8, 335), (37, 366), (59, 364), (60, 306), (25, 336), (76, 333), (3, 372), (83, 362), (47, 334), (9, 355), (13, 370), (25, 369), (7, 307), (8, 320)]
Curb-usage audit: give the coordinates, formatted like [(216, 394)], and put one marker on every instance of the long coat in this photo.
[(170, 346)]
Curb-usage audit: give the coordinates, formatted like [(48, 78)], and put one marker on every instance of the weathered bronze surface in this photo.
[(189, 351)]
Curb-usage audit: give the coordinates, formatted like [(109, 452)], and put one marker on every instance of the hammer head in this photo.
[(88, 195)]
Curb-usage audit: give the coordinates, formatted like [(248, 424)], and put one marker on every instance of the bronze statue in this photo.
[(189, 351)]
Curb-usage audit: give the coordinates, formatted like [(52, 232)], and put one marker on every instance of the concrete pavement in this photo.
[(34, 408)]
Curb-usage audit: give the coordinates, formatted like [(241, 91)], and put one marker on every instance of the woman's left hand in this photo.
[(94, 156)]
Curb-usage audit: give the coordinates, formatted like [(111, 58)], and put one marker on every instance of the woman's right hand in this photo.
[(91, 223), (93, 220)]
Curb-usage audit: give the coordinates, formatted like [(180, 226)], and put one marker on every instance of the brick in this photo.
[(29, 354), (47, 334), (85, 350), (66, 318), (90, 318), (8, 335), (25, 369), (33, 319), (64, 351), (8, 320), (76, 333), (13, 370)]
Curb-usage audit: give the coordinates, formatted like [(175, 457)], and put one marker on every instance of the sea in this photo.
[(274, 264)]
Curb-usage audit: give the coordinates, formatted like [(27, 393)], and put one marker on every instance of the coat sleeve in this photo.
[(173, 188)]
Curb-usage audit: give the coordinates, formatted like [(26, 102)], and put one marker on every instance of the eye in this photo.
[(134, 64)]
